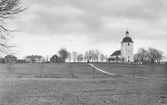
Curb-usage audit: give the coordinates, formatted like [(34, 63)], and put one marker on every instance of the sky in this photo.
[(81, 25)]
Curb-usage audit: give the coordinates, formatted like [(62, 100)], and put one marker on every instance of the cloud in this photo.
[(98, 20)]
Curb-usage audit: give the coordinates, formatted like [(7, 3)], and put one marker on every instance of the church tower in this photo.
[(127, 48)]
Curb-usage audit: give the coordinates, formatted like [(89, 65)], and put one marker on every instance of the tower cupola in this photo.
[(127, 38), (127, 34)]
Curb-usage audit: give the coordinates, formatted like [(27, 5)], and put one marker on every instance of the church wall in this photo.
[(127, 51)]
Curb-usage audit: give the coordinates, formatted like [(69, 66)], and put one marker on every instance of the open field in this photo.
[(81, 84), (52, 70), (83, 70), (135, 70)]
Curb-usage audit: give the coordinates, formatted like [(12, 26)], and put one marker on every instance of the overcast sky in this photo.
[(80, 25)]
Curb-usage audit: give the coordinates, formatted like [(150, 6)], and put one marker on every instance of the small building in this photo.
[(55, 59), (116, 56), (10, 59), (34, 58)]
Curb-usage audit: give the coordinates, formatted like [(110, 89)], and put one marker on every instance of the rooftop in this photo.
[(116, 53)]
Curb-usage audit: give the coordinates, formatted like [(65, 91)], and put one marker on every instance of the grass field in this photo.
[(137, 70), (83, 70), (52, 70), (81, 84)]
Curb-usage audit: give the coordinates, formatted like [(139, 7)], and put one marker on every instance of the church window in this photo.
[(128, 44)]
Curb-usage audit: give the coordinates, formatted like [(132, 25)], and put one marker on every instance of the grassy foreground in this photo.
[(80, 84)]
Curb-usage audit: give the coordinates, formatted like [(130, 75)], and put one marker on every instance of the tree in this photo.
[(8, 10), (74, 53), (86, 56), (97, 54), (63, 53), (154, 55), (142, 55), (69, 56), (151, 55), (102, 57), (106, 57), (90, 54), (80, 57)]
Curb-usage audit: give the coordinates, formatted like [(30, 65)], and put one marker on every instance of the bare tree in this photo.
[(63, 53), (151, 55), (74, 54), (86, 56), (69, 56), (90, 54), (80, 57), (106, 57), (97, 54), (8, 10), (102, 57), (142, 55), (154, 55)]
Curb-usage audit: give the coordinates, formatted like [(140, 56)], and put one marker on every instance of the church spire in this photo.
[(127, 34)]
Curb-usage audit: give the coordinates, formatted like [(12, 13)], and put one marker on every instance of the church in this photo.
[(125, 54)]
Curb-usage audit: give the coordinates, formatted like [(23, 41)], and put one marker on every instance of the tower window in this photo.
[(128, 44)]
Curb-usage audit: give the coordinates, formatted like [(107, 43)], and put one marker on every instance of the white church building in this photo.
[(125, 54)]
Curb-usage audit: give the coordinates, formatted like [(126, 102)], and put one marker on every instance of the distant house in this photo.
[(55, 59), (34, 58), (2, 60), (10, 59), (116, 56)]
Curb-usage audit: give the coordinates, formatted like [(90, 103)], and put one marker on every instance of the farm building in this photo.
[(55, 59), (34, 58), (126, 52), (10, 59)]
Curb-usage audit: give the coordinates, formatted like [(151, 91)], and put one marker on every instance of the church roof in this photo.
[(116, 53), (127, 39)]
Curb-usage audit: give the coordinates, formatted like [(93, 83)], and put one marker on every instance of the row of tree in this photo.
[(88, 56), (151, 55)]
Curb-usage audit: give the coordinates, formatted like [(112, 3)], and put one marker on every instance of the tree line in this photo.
[(150, 55), (88, 56)]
